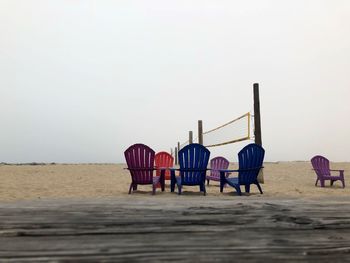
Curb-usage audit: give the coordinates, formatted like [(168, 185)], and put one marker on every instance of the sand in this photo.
[(33, 182)]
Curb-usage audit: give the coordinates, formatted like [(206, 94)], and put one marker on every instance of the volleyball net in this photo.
[(237, 130)]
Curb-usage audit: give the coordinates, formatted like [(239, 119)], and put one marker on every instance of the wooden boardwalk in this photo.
[(186, 229)]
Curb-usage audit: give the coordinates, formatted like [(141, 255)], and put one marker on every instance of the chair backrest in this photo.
[(164, 159), (251, 156), (216, 164), (140, 156), (193, 157), (320, 165)]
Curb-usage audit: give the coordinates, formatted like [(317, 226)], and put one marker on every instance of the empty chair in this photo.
[(164, 160), (140, 161), (321, 166), (193, 161), (217, 164), (250, 160)]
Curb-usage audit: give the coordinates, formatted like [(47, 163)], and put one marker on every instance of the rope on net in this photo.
[(233, 131)]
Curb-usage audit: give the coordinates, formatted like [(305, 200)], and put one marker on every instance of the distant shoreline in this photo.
[(54, 163)]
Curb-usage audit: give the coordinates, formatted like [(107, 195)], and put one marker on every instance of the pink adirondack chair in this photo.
[(321, 166), (217, 164), (140, 161)]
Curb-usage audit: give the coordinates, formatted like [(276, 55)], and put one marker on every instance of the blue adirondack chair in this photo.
[(250, 159), (193, 161)]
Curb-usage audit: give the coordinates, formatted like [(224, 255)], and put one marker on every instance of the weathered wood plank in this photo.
[(182, 229)]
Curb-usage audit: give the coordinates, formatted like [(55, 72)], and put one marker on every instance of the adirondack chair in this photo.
[(250, 160), (321, 166), (217, 164), (140, 161), (164, 160), (193, 160)]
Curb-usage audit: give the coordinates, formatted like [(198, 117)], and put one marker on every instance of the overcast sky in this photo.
[(82, 80)]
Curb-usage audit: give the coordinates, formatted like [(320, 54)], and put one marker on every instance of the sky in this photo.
[(82, 80)]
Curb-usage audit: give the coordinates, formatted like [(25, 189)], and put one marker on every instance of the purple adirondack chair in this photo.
[(217, 164), (140, 161), (323, 172)]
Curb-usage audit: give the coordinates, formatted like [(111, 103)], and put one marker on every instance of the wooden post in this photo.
[(176, 156), (200, 132), (257, 124), (171, 152), (190, 137), (178, 147)]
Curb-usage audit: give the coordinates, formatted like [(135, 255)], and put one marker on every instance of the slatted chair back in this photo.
[(193, 160), (251, 156), (216, 164), (321, 166), (140, 161), (164, 159)]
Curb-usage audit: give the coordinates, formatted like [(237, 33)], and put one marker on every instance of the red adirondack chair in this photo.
[(140, 161), (217, 164), (323, 172), (164, 160)]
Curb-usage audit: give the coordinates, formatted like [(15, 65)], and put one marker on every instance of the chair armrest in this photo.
[(162, 168), (242, 170), (228, 171), (341, 172), (140, 169), (188, 170)]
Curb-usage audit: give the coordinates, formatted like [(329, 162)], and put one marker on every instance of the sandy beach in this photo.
[(33, 182)]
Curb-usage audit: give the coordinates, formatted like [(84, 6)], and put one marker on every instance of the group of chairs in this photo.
[(193, 159)]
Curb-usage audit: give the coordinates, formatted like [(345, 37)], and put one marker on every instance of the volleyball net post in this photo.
[(257, 125), (190, 137), (257, 120), (200, 132), (176, 162)]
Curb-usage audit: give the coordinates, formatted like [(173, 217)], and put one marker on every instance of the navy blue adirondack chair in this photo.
[(250, 159), (193, 161)]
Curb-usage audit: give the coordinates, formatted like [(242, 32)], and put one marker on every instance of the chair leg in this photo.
[(238, 189), (131, 186), (179, 187), (207, 182), (135, 187), (204, 190), (172, 181), (154, 189), (222, 181), (332, 182), (247, 188), (343, 181), (316, 182), (322, 182), (259, 187), (201, 189), (162, 180)]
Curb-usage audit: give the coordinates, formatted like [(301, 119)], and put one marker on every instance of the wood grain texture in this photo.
[(186, 229)]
